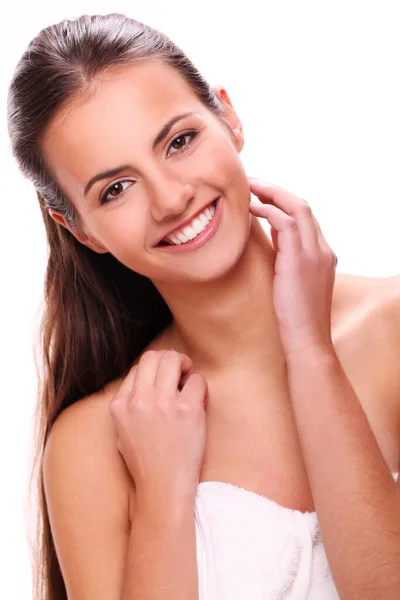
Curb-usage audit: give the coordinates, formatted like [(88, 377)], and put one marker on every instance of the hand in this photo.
[(161, 429), (305, 268)]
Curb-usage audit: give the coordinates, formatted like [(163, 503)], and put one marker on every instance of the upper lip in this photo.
[(185, 222)]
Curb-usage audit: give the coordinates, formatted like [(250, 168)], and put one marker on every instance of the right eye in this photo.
[(114, 190)]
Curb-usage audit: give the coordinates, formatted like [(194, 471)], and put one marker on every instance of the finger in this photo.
[(146, 373), (321, 238), (284, 225), (169, 372), (195, 388), (292, 205), (274, 236), (127, 384)]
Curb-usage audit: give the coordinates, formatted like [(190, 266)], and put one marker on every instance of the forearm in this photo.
[(161, 562), (354, 493)]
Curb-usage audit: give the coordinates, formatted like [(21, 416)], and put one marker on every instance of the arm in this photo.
[(161, 562), (101, 555), (356, 498)]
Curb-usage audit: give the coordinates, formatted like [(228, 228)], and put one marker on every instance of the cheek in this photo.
[(122, 233), (220, 165)]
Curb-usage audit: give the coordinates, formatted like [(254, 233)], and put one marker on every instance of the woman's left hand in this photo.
[(305, 268)]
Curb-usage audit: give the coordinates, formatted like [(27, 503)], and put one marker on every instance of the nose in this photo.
[(169, 198)]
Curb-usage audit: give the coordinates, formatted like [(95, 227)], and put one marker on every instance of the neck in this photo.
[(231, 323)]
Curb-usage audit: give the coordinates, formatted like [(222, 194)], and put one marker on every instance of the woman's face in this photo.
[(128, 212)]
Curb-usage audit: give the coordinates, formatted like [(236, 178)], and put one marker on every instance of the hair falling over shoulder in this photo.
[(98, 315)]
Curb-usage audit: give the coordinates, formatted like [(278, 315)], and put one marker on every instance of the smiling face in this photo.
[(160, 185)]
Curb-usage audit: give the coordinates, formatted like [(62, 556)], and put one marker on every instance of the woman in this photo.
[(208, 392)]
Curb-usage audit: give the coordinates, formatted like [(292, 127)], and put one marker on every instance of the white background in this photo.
[(316, 86)]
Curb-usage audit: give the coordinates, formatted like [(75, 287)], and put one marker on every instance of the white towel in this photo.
[(251, 548)]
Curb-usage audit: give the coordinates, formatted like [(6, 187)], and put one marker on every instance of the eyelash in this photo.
[(192, 134)]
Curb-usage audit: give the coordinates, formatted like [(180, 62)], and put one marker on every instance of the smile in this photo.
[(196, 233)]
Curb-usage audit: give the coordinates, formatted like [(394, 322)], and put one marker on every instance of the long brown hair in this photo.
[(98, 314)]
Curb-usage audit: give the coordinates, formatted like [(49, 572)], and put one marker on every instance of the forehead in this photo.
[(126, 108)]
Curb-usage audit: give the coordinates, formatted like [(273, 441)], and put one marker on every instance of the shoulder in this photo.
[(366, 336), (366, 308), (389, 328), (83, 442), (85, 421), (391, 302)]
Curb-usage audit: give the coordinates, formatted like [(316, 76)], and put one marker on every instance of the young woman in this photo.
[(219, 415)]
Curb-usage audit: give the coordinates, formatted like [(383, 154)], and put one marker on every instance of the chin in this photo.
[(215, 263)]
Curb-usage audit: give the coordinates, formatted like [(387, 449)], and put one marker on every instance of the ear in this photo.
[(230, 116), (85, 240)]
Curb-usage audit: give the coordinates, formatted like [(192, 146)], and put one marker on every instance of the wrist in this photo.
[(311, 353), (164, 503)]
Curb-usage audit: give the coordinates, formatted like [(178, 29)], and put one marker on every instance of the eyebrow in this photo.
[(164, 131)]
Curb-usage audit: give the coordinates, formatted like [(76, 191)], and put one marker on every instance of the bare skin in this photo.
[(263, 455), (220, 295)]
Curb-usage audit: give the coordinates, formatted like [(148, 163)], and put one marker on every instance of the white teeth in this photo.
[(204, 219), (189, 232), (182, 238), (174, 239), (196, 226)]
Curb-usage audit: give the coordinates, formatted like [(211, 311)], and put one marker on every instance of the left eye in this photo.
[(112, 192), (182, 136)]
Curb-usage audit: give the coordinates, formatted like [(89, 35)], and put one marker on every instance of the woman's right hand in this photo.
[(161, 429)]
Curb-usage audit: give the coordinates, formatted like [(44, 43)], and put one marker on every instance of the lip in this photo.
[(203, 237), (184, 223)]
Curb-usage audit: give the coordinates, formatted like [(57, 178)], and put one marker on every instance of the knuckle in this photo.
[(305, 207), (149, 355), (113, 406), (171, 353), (330, 255), (199, 377), (291, 224), (183, 408)]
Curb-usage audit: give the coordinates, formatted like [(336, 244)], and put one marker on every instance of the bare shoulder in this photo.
[(366, 336), (87, 488), (366, 306), (366, 322), (355, 295), (87, 427)]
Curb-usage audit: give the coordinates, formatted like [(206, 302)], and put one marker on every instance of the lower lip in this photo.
[(200, 239)]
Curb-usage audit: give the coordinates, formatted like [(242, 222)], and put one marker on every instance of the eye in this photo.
[(190, 134), (114, 190)]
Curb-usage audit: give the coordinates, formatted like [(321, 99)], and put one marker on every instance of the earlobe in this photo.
[(92, 244)]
